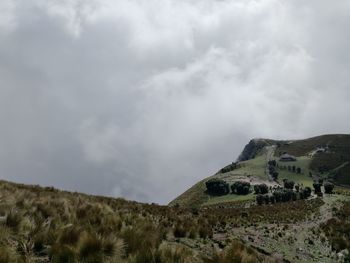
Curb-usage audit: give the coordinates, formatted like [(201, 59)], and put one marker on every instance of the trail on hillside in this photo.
[(297, 242), (270, 151)]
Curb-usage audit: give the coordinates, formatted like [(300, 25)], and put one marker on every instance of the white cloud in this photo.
[(7, 16), (142, 99)]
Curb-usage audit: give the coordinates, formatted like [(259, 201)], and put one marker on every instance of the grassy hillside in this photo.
[(332, 165), (196, 195), (303, 178), (47, 225)]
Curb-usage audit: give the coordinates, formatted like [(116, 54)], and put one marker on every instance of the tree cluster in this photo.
[(283, 195), (328, 187), (240, 188), (261, 189), (288, 184), (229, 168), (217, 187), (272, 169), (291, 168)]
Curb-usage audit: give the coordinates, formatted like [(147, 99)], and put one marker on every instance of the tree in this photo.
[(229, 168), (278, 196), (317, 188), (298, 170), (328, 188), (287, 195), (266, 199), (288, 184), (306, 192), (272, 163), (293, 168), (261, 189), (275, 175), (240, 188), (217, 187)]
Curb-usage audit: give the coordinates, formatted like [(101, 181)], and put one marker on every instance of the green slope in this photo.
[(332, 165)]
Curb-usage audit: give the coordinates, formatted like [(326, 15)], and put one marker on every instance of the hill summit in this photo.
[(324, 157)]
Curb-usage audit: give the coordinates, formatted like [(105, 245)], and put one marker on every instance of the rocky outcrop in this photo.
[(253, 148)]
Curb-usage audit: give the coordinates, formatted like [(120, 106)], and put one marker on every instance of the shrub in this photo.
[(236, 252), (229, 168), (285, 195), (13, 220), (205, 231), (259, 199), (113, 247), (328, 188), (261, 189), (317, 187), (69, 235), (173, 254), (240, 188), (275, 175), (266, 199), (90, 249), (288, 184), (39, 242), (4, 255), (62, 253), (307, 192), (272, 163), (217, 187), (179, 231)]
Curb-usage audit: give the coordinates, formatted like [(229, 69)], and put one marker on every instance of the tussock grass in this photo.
[(56, 226)]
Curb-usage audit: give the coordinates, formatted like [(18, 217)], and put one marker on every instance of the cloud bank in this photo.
[(141, 99)]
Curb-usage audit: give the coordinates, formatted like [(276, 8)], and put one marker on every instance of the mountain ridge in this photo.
[(332, 165)]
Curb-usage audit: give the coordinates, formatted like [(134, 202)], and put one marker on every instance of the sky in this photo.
[(141, 99)]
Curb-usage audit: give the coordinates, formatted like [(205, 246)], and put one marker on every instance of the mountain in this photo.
[(285, 221), (326, 156)]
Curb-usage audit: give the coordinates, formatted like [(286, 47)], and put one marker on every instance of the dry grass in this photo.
[(47, 225)]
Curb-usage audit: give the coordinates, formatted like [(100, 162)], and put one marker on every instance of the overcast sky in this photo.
[(141, 99)]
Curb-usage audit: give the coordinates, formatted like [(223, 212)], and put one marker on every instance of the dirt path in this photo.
[(270, 150), (297, 242)]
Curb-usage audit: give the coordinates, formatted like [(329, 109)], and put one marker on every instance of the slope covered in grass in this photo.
[(47, 225), (333, 164), (196, 196)]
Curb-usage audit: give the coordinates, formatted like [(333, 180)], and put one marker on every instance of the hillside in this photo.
[(43, 224), (319, 230), (47, 225), (332, 164)]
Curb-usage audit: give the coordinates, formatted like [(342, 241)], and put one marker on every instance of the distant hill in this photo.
[(326, 156), (43, 224)]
